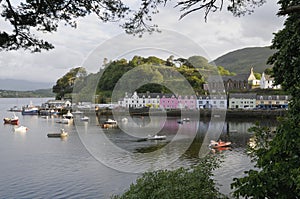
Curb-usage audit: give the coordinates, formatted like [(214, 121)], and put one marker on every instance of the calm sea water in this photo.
[(83, 166)]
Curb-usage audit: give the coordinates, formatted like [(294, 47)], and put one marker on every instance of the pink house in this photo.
[(168, 102), (187, 102)]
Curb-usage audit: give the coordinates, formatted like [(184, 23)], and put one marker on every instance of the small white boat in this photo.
[(157, 137), (58, 135), (110, 124), (20, 128), (64, 121), (85, 118), (69, 115)]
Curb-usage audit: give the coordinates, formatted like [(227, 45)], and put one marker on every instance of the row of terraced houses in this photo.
[(241, 82), (232, 101)]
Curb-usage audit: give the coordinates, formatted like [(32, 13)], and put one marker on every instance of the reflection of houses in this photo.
[(242, 101), (272, 101), (267, 81), (187, 102), (168, 101), (140, 100), (217, 101)]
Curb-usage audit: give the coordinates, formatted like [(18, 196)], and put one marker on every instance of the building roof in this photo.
[(243, 95), (273, 97)]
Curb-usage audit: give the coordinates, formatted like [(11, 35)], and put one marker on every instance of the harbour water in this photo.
[(80, 166)]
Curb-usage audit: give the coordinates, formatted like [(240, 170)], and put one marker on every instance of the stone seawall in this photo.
[(208, 113)]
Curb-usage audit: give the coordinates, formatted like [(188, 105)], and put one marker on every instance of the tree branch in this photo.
[(289, 10)]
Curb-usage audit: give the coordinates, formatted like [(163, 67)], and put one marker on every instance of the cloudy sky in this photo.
[(93, 40)]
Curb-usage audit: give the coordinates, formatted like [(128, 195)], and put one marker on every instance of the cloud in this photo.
[(222, 33)]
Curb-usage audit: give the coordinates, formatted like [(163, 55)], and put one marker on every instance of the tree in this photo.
[(277, 158), (65, 84), (26, 17)]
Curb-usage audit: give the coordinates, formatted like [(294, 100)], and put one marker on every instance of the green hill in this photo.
[(240, 61)]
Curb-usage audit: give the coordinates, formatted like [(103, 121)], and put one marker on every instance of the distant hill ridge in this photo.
[(240, 61), (23, 85)]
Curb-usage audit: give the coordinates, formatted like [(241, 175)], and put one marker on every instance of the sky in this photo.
[(94, 40)]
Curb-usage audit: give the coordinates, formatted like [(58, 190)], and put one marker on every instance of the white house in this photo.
[(215, 101), (242, 101), (140, 100), (267, 82)]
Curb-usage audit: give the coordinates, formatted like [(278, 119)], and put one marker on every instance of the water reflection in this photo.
[(186, 142)]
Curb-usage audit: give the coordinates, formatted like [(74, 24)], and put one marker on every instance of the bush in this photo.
[(188, 183)]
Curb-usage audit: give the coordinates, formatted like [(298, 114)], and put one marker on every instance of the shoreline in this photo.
[(202, 113)]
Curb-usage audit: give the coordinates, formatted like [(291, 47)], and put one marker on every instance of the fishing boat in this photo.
[(58, 135), (30, 110), (219, 144), (13, 120)]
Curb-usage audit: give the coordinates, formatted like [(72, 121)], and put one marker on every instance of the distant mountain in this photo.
[(240, 61), (23, 85)]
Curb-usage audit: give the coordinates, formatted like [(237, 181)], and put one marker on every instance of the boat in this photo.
[(69, 115), (156, 137), (30, 110), (64, 121), (58, 135), (85, 118), (13, 120), (15, 109), (219, 144), (20, 129), (110, 124)]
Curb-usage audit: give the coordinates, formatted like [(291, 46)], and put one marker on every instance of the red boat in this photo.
[(220, 144), (14, 120)]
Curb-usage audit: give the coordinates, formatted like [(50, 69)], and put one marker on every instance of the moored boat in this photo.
[(30, 110), (21, 129), (110, 124), (58, 135), (69, 115), (13, 120), (15, 109), (64, 121), (219, 144)]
